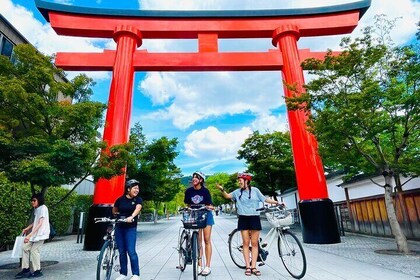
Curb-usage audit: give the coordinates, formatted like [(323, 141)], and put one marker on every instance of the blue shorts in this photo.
[(249, 223), (210, 218)]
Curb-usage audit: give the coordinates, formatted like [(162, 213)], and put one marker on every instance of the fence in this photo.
[(369, 216)]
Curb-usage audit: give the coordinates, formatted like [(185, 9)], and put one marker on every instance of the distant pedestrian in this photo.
[(196, 196), (248, 199), (36, 233), (128, 206)]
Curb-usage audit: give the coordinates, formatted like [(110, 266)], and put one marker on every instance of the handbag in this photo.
[(53, 233), (18, 247)]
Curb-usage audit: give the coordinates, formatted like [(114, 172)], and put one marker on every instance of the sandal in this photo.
[(255, 271), (248, 271)]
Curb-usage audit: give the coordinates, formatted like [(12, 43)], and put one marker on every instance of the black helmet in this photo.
[(130, 183)]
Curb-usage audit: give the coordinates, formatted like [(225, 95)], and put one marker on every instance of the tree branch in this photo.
[(71, 191), (366, 156), (408, 180), (379, 185)]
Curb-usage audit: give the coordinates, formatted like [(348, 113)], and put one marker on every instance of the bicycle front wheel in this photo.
[(182, 251), (195, 254), (236, 248), (105, 262), (291, 254)]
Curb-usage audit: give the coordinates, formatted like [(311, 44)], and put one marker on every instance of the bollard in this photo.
[(80, 230)]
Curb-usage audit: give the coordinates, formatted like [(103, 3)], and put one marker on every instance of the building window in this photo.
[(6, 47)]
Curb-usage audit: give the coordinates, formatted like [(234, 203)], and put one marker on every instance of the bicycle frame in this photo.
[(289, 248), (188, 246)]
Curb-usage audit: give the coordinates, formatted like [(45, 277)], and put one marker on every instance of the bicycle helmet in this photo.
[(246, 176), (130, 183), (200, 174)]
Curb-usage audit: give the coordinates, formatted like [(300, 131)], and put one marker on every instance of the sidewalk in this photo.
[(353, 258)]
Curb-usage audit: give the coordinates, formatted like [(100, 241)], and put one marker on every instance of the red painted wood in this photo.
[(144, 61), (119, 108), (308, 166), (189, 28), (207, 43)]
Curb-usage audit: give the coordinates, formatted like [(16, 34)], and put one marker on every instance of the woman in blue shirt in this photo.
[(196, 196), (248, 199)]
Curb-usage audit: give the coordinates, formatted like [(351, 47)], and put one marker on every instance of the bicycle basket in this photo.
[(194, 219), (280, 218)]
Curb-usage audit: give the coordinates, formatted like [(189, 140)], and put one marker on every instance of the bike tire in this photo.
[(105, 262), (292, 254), (236, 248), (195, 254), (183, 250)]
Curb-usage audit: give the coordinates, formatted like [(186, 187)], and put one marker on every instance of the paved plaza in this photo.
[(352, 259)]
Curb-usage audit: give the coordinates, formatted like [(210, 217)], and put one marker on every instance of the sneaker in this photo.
[(200, 270), (35, 274), (135, 277), (23, 274), (121, 277), (206, 271)]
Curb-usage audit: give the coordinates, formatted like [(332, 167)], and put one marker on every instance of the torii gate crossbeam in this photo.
[(283, 27)]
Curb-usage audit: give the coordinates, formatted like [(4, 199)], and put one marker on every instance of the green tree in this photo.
[(269, 158), (45, 139), (154, 166), (365, 110), (221, 178)]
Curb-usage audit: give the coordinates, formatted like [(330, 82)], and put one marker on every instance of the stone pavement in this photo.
[(353, 258)]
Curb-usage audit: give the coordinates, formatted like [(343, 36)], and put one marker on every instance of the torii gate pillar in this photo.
[(316, 209)]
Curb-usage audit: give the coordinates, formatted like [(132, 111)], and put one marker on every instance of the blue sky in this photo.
[(211, 113)]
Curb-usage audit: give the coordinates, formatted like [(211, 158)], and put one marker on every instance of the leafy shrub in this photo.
[(61, 215), (15, 210), (82, 204)]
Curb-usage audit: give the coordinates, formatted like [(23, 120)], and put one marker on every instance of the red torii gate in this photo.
[(129, 27)]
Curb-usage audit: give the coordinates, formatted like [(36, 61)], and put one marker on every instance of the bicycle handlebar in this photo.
[(191, 209), (272, 208), (106, 220)]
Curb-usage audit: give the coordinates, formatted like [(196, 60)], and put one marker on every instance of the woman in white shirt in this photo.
[(37, 233)]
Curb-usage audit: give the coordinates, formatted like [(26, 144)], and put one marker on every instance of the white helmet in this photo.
[(200, 174)]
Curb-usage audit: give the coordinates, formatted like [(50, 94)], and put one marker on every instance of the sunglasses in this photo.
[(33, 200)]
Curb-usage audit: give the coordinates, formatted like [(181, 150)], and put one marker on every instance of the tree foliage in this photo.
[(45, 139), (223, 179), (269, 157), (365, 109), (365, 104), (153, 165)]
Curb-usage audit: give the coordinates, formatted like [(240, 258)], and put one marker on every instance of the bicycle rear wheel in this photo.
[(236, 248), (291, 254), (182, 251), (195, 254)]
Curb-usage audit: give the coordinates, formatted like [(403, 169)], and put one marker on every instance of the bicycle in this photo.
[(288, 245), (108, 257), (193, 219)]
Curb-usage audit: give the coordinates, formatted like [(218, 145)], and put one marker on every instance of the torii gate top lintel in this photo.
[(206, 26), (45, 7), (100, 22)]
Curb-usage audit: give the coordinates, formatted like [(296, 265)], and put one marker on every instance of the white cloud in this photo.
[(212, 143), (270, 123), (198, 96)]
